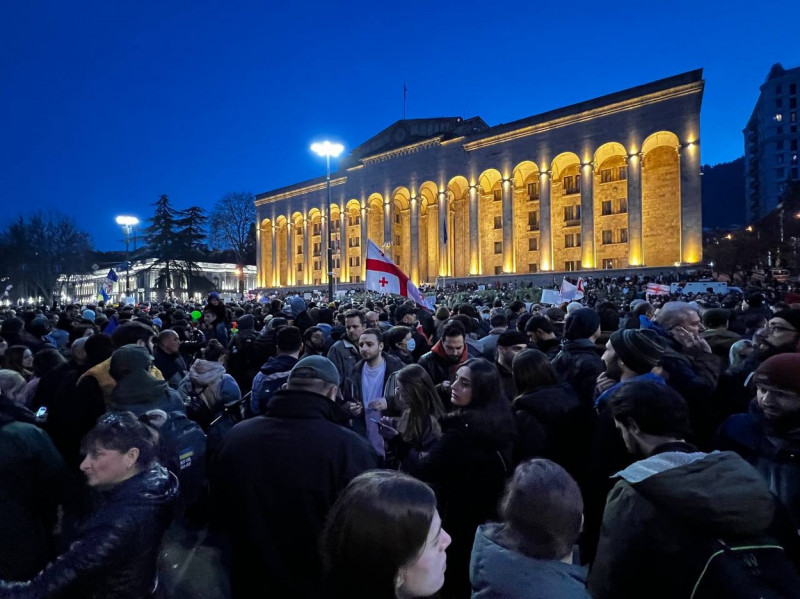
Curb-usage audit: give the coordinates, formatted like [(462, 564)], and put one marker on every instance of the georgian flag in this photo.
[(570, 292), (385, 277)]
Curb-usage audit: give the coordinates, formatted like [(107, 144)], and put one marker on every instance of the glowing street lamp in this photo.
[(127, 223), (328, 150)]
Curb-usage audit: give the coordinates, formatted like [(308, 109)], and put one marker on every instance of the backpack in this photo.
[(182, 452), (196, 407), (747, 569)]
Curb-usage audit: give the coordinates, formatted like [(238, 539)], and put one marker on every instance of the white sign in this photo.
[(551, 296)]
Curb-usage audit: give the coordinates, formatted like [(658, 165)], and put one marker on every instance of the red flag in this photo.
[(384, 276)]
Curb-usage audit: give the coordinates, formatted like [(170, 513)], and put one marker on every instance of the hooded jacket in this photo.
[(211, 382), (116, 553), (579, 363), (438, 364), (137, 389), (497, 572), (664, 506), (272, 376)]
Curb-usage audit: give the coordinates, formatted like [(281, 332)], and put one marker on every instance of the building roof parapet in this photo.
[(292, 191)]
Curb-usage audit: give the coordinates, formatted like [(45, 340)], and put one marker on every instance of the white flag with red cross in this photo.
[(384, 276)]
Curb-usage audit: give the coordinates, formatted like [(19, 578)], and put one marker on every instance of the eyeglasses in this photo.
[(775, 327)]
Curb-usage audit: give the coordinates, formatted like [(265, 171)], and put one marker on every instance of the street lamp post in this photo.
[(127, 223), (328, 149)]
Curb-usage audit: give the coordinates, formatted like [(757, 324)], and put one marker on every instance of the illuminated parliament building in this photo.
[(612, 182)]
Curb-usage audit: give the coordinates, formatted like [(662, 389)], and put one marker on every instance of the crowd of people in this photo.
[(368, 447)]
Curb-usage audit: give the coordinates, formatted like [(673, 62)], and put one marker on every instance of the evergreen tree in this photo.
[(190, 238), (163, 246)]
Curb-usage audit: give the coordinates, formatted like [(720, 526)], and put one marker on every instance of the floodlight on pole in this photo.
[(328, 149), (127, 223)]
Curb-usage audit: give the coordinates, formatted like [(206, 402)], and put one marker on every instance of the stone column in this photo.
[(364, 241), (508, 225), (260, 274), (274, 273), (587, 215), (414, 222), (325, 222), (388, 215), (344, 268), (635, 253), (442, 269), (545, 229), (474, 243), (691, 208), (307, 261), (291, 275)]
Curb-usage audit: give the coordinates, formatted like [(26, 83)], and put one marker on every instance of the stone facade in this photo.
[(608, 183)]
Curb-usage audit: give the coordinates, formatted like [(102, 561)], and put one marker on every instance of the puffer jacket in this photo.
[(116, 552)]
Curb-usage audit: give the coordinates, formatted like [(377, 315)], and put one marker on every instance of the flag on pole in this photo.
[(656, 289), (385, 277), (107, 286), (579, 288), (568, 290)]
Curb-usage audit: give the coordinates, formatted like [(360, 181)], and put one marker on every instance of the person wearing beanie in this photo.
[(509, 344), (578, 361), (631, 354), (89, 315), (768, 435)]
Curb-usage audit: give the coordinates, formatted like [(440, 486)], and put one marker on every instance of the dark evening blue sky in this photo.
[(106, 105)]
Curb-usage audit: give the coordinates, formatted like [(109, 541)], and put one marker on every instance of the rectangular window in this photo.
[(533, 244), (316, 229), (533, 267), (779, 103), (570, 265), (497, 195), (608, 263), (572, 213), (623, 205), (533, 221), (793, 129), (793, 117), (299, 249), (397, 218), (572, 184), (355, 220), (792, 102), (607, 237), (355, 242), (498, 222), (577, 240), (355, 260), (623, 173), (569, 240), (337, 262), (337, 225), (623, 235), (498, 247), (792, 89), (317, 249), (605, 175), (533, 191), (794, 173), (397, 240), (317, 264), (606, 208), (793, 144), (300, 267), (498, 270)]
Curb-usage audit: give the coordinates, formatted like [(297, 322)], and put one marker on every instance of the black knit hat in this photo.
[(510, 338), (581, 324), (638, 349)]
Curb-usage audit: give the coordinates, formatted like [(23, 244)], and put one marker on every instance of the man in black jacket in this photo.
[(168, 358), (276, 477)]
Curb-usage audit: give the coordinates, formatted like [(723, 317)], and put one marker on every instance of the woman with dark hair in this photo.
[(384, 539), (19, 358), (116, 551), (399, 342), (551, 421), (417, 429), (468, 466), (529, 555)]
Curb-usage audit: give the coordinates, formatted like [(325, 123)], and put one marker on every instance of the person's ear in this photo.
[(131, 456), (632, 426)]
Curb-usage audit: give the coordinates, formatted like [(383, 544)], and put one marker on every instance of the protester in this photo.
[(168, 359), (384, 538), (275, 371), (530, 553), (116, 552), (578, 362), (345, 353), (208, 387), (19, 358)]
